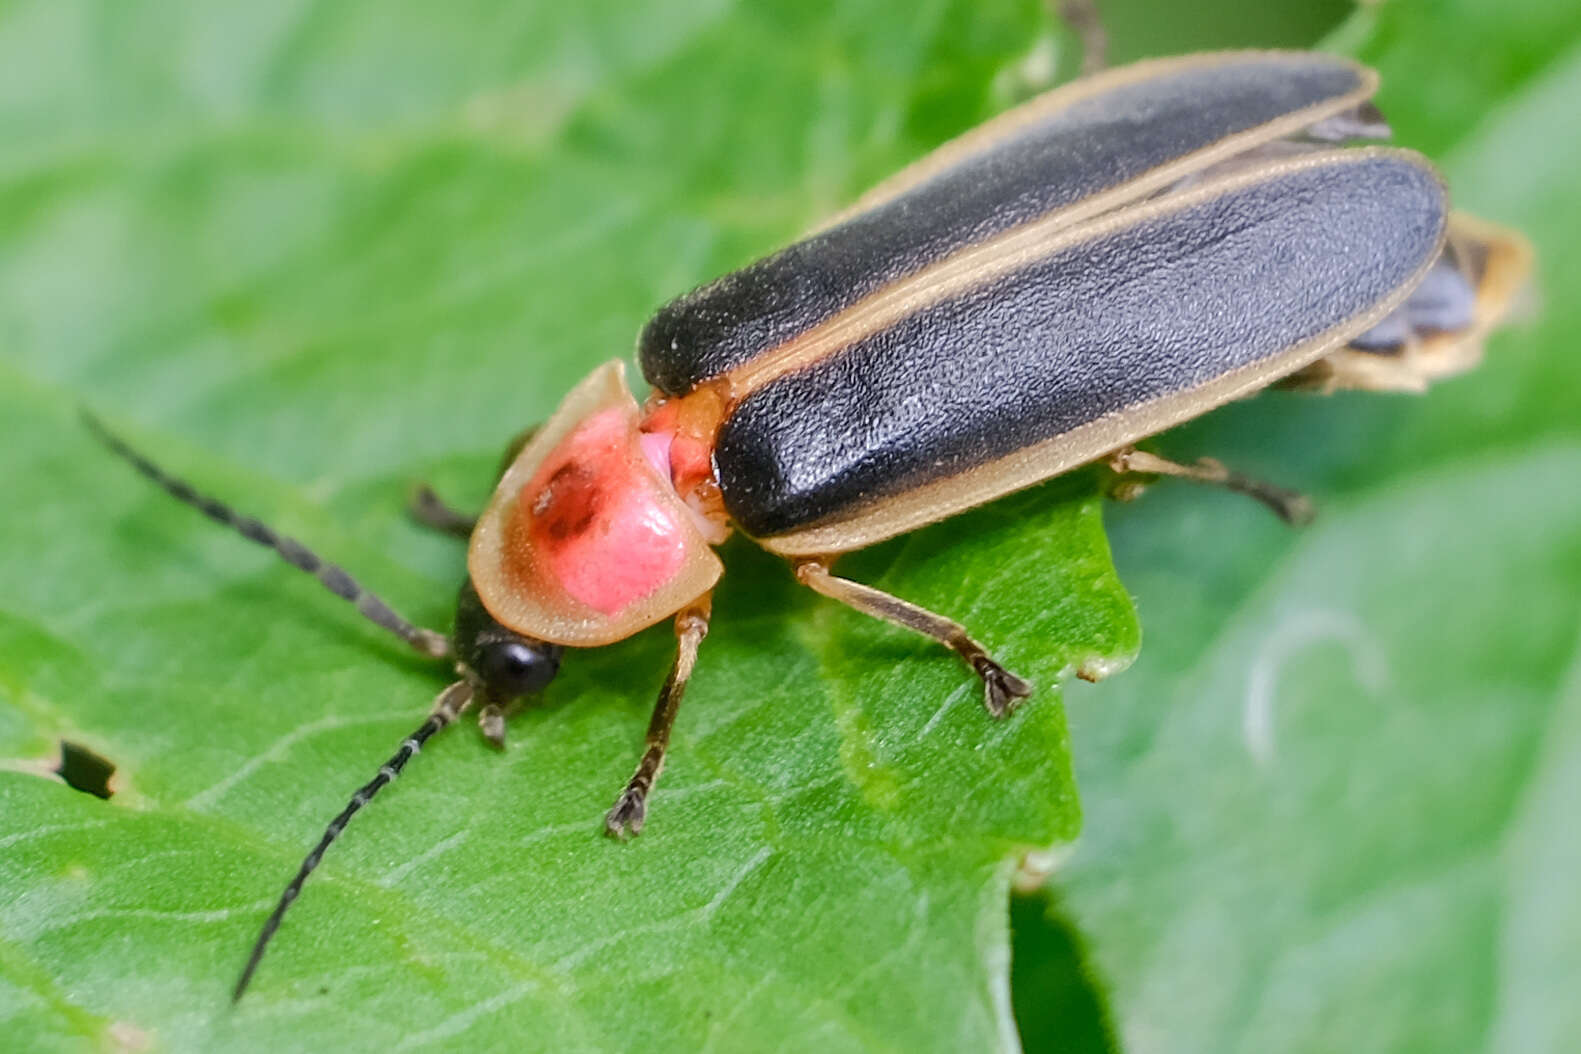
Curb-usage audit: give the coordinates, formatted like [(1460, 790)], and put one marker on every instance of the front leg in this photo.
[(631, 808), (430, 510), (1002, 690)]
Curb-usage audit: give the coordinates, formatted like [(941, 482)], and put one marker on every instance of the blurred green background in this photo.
[(309, 252)]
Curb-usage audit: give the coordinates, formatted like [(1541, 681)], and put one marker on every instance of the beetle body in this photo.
[(1083, 272), (1079, 274)]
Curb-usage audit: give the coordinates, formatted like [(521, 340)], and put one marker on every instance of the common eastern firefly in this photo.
[(1096, 265)]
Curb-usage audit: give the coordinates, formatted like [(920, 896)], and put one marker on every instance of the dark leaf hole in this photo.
[(1059, 1005), (84, 770)]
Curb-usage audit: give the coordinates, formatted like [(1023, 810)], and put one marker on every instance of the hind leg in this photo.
[(1291, 506)]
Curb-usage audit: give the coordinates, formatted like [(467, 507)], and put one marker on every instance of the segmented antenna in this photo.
[(449, 706), (331, 576)]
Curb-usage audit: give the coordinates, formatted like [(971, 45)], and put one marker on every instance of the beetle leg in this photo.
[(631, 808), (1002, 690), (1083, 19), (1291, 506), (430, 510), (491, 719)]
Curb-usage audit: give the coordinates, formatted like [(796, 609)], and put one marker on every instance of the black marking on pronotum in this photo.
[(1044, 292)]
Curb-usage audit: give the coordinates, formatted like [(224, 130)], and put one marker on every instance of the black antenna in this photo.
[(332, 577), (449, 706)]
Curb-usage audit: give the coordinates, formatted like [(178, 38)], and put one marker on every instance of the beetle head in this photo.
[(503, 663), (586, 540)]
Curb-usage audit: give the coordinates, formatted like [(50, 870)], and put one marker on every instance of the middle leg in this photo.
[(1002, 690)]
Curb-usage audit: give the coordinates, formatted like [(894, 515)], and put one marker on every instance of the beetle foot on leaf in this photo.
[(1126, 490), (491, 719), (1002, 690), (624, 820)]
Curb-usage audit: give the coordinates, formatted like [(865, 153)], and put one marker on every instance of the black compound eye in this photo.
[(514, 668)]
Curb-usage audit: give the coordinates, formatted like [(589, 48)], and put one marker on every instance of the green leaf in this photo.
[(1333, 805), (306, 254)]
